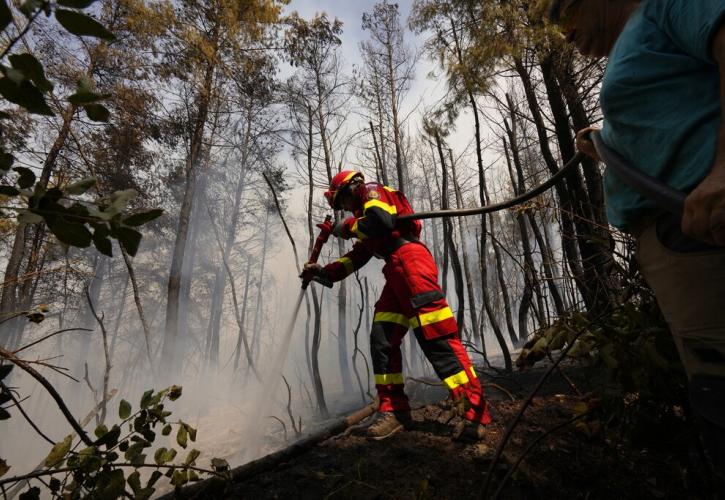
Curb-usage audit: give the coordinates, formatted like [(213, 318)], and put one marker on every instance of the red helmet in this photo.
[(338, 184)]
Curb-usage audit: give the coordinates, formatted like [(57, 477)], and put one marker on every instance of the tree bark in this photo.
[(466, 266), (448, 234), (170, 345)]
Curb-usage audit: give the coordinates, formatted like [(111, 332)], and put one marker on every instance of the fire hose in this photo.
[(660, 193)]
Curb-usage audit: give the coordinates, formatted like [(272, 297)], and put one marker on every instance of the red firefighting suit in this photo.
[(411, 298)]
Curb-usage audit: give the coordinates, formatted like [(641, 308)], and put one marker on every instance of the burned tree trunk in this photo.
[(448, 234)]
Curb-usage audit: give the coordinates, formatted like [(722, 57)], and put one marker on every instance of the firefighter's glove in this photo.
[(312, 268), (343, 228), (309, 271)]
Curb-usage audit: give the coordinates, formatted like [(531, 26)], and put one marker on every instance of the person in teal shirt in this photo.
[(663, 99)]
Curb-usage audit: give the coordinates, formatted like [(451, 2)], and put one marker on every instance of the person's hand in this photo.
[(704, 215), (339, 230), (312, 268), (585, 144)]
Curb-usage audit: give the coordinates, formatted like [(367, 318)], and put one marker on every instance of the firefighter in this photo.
[(411, 298)]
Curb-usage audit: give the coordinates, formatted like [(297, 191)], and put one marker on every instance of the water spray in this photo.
[(270, 382)]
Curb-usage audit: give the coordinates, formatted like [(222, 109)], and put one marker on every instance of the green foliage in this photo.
[(82, 25), (633, 350), (98, 471), (74, 222), (5, 397)]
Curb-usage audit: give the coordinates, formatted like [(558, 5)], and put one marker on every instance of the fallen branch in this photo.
[(49, 336), (214, 487), (25, 415), (51, 390)]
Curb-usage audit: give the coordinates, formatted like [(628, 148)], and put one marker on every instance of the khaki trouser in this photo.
[(690, 289)]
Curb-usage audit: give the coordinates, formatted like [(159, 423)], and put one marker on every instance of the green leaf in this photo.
[(103, 244), (32, 69), (58, 452), (28, 217), (71, 233), (97, 112), (9, 191), (32, 494), (159, 456), (6, 159), (6, 16), (54, 484), (192, 432), (192, 456), (5, 369), (134, 481), (170, 455), (219, 464), (155, 476), (110, 438), (26, 95), (81, 186), (82, 25), (166, 430), (4, 467), (124, 409), (182, 435), (26, 177), (164, 455), (115, 485), (76, 4), (133, 451), (143, 217), (129, 238), (101, 430), (146, 398), (179, 478), (175, 392), (4, 415), (30, 6), (83, 97), (14, 74)]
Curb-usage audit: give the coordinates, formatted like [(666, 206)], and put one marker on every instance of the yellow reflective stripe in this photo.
[(380, 204), (431, 317), (456, 380), (473, 372), (349, 176), (389, 189), (388, 317), (389, 378), (349, 266), (357, 231)]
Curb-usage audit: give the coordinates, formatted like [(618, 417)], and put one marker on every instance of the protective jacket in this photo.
[(411, 298)]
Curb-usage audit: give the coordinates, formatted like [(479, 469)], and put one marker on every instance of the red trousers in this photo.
[(413, 299)]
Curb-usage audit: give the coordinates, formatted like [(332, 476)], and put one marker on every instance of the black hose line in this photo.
[(660, 193), (576, 159)]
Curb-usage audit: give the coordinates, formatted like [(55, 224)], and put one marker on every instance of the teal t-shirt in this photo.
[(660, 99)]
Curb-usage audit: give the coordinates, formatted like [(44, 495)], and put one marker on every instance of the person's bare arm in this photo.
[(585, 144), (704, 216)]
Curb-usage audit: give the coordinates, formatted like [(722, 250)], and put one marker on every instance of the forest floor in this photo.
[(576, 461)]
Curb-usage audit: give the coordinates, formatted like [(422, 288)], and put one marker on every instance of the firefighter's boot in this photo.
[(468, 432), (388, 423)]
